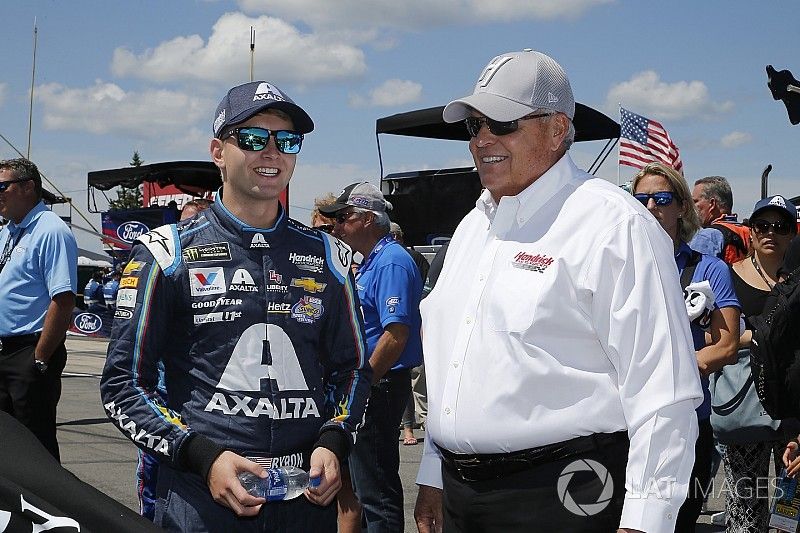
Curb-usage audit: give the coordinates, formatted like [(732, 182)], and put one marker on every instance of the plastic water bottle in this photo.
[(282, 483)]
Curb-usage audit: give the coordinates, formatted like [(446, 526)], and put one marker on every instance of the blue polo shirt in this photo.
[(390, 287), (42, 264), (718, 275)]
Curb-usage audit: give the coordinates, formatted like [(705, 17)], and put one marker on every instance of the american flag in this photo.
[(645, 141)]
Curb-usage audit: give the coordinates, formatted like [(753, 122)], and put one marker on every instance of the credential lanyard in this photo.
[(9, 247), (387, 239)]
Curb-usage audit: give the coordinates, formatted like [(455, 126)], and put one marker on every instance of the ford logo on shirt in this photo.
[(129, 231), (88, 323)]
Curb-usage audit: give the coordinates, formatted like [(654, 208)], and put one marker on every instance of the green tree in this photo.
[(128, 197)]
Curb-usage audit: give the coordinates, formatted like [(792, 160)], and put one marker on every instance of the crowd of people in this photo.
[(553, 335)]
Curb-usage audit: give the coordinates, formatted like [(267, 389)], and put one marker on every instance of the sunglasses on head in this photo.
[(762, 226), (255, 139), (496, 127), (662, 199), (6, 184)]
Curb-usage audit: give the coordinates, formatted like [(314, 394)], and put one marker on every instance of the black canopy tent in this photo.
[(428, 204), (188, 176)]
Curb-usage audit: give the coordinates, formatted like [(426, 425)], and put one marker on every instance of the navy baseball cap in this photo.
[(777, 203), (249, 99)]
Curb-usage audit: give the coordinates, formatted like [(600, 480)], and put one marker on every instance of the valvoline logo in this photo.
[(203, 281), (88, 323), (129, 231)]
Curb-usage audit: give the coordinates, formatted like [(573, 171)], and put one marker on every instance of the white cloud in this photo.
[(412, 15), (646, 94), (390, 93), (3, 92), (283, 54), (735, 139), (105, 107)]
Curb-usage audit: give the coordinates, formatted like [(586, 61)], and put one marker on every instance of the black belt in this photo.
[(485, 466), (15, 342)]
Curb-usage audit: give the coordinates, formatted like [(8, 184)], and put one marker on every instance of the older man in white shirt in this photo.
[(562, 381)]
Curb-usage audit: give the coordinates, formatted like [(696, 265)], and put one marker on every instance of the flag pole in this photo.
[(33, 79), (252, 49), (619, 109)]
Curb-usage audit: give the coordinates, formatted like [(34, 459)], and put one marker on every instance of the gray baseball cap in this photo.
[(363, 194), (516, 84), (249, 99)]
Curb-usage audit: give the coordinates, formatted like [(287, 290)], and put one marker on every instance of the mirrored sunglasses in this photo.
[(255, 139), (662, 199)]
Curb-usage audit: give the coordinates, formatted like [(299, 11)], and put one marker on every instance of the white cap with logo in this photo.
[(516, 84)]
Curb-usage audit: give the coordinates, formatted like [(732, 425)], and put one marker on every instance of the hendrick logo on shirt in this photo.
[(534, 263), (310, 262)]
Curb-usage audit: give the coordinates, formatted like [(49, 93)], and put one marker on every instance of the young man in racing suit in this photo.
[(256, 321)]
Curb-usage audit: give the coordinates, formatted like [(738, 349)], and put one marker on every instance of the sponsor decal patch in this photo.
[(307, 310), (242, 281), (279, 307), (215, 303), (222, 316), (259, 241), (88, 323), (125, 314), (126, 298), (218, 251), (534, 263), (392, 302), (309, 284), (207, 281), (133, 267), (310, 262), (129, 282)]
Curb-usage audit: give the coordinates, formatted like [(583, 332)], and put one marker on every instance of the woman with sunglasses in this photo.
[(772, 227), (666, 195)]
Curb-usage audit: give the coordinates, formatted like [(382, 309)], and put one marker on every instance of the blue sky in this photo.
[(113, 77)]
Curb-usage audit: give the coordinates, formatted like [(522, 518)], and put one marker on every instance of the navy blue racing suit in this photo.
[(262, 344)]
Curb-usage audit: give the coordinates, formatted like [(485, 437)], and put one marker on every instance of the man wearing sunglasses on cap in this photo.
[(38, 283), (256, 322), (561, 377)]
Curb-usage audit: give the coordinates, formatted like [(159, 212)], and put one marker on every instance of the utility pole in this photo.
[(252, 49), (33, 79)]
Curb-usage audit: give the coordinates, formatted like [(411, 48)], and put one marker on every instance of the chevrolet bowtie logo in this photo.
[(309, 284)]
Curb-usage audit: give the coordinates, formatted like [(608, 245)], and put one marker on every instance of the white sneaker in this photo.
[(718, 519)]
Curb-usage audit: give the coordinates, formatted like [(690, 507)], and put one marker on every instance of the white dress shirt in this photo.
[(558, 314)]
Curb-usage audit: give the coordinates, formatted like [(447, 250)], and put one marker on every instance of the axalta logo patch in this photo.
[(259, 241), (310, 262), (207, 281), (265, 91), (242, 281), (534, 263)]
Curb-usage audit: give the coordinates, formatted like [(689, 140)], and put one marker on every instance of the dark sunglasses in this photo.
[(762, 226), (341, 218), (6, 184), (327, 228), (496, 127), (662, 199), (255, 139)]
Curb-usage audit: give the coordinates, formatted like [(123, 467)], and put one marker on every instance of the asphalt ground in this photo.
[(95, 451)]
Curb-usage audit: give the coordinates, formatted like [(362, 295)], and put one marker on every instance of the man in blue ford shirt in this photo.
[(389, 287), (38, 282), (255, 320)]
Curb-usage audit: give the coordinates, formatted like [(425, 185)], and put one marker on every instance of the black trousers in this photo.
[(30, 396), (534, 500), (698, 483)]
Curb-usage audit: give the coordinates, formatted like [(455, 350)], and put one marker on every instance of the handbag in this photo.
[(737, 416)]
